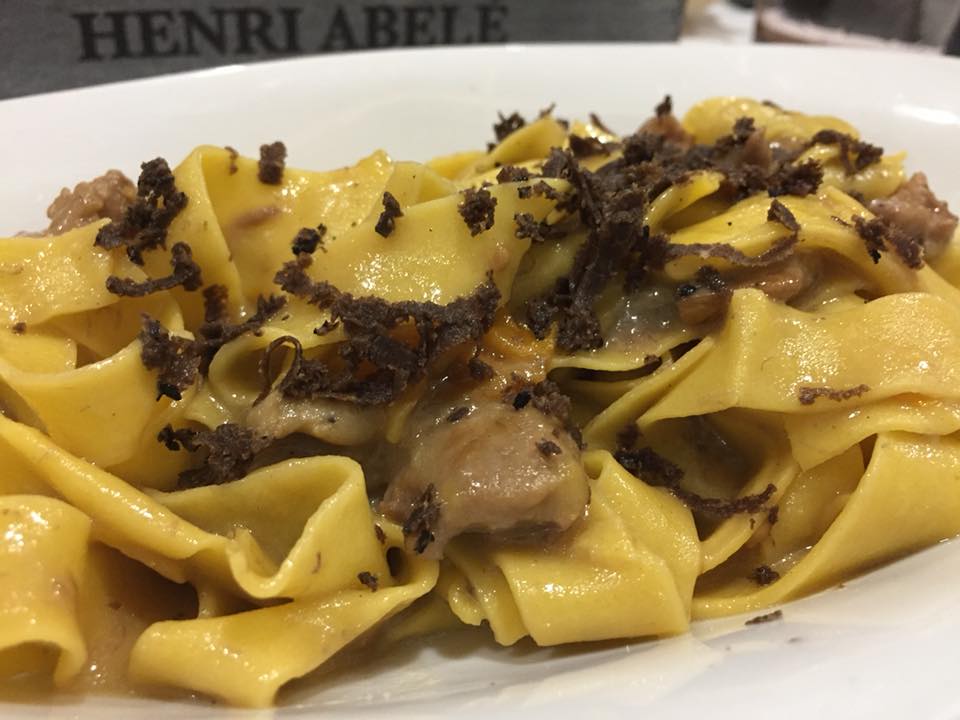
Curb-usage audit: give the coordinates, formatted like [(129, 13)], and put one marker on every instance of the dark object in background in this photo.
[(953, 42), (53, 44), (922, 23)]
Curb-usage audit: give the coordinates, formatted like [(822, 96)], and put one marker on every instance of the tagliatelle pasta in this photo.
[(576, 387)]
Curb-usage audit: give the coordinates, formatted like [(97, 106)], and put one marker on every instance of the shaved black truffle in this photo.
[(230, 449), (185, 273), (521, 399), (368, 579), (422, 520), (391, 211), (215, 299), (764, 575), (880, 235), (477, 209), (178, 360), (586, 146), (507, 125), (512, 173), (665, 107), (862, 153), (799, 180), (372, 342), (538, 232), (780, 213), (458, 413), (307, 240), (777, 252), (478, 369), (600, 124), (145, 221), (272, 161), (655, 469), (809, 395), (548, 448), (232, 155), (768, 617)]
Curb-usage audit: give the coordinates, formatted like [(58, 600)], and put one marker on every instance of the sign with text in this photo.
[(54, 44)]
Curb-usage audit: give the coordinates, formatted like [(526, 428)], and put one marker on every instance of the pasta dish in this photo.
[(573, 387)]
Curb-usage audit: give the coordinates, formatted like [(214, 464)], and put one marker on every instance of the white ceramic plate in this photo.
[(884, 646)]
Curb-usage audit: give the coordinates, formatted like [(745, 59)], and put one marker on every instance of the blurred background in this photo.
[(54, 44)]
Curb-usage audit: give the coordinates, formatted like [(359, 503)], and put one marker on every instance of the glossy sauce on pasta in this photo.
[(743, 433)]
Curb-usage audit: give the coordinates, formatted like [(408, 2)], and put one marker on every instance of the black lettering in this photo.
[(492, 16), (418, 25), (339, 34), (194, 24), (449, 13), (290, 27), (155, 26), (381, 25), (253, 23), (90, 36)]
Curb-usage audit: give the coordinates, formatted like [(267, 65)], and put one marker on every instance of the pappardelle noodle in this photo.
[(572, 387)]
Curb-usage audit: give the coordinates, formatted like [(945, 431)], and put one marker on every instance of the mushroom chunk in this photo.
[(498, 470), (918, 212)]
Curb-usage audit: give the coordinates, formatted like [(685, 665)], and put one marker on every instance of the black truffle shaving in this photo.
[(512, 173), (809, 395), (665, 107), (863, 153), (656, 470), (185, 273), (586, 146), (230, 450), (233, 155), (211, 336), (600, 124), (145, 221), (369, 580), (538, 232), (272, 161), (478, 369), (612, 202), (307, 240), (799, 180), (521, 399), (373, 364), (780, 250), (388, 218), (764, 575), (458, 413), (422, 520), (215, 304), (743, 128), (546, 397), (548, 448), (780, 213), (879, 235), (477, 209), (507, 125), (768, 617), (179, 360)]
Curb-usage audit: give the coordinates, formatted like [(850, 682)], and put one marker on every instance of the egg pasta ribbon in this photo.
[(576, 386)]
